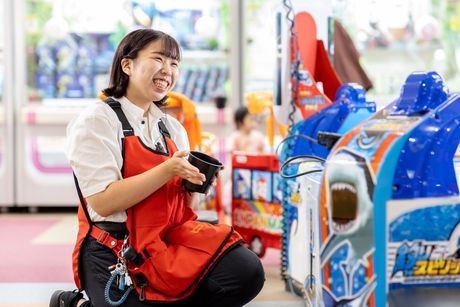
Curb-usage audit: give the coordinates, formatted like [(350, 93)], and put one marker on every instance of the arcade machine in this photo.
[(302, 157), (386, 226), (319, 109)]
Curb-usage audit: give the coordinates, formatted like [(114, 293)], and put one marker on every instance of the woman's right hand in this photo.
[(179, 166)]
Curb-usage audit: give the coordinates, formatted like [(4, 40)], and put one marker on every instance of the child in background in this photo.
[(246, 138)]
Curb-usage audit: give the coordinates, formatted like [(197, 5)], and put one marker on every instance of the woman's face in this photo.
[(151, 75)]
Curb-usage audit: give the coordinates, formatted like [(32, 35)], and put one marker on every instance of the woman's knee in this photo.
[(249, 273), (255, 274)]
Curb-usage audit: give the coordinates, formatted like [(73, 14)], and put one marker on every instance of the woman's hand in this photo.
[(179, 166)]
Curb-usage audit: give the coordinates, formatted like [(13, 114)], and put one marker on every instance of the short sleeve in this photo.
[(178, 134), (94, 152)]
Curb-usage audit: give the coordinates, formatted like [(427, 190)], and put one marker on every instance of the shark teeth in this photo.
[(340, 186), (340, 228), (344, 205)]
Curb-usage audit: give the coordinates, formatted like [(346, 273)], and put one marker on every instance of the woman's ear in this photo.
[(126, 65)]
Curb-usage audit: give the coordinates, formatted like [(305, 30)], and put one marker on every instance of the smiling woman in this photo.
[(150, 58), (128, 158)]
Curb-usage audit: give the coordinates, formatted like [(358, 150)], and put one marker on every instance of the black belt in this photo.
[(112, 227)]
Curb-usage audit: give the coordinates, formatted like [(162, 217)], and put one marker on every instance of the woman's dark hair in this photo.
[(128, 48), (239, 116)]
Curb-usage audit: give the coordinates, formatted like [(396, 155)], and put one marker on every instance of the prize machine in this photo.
[(64, 53), (385, 228)]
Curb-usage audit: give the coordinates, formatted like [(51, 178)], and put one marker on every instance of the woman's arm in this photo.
[(124, 193)]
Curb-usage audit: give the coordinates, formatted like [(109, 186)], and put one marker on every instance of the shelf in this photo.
[(48, 115), (62, 111), (208, 114), (199, 55)]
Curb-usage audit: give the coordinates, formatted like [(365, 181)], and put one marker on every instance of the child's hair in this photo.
[(239, 116)]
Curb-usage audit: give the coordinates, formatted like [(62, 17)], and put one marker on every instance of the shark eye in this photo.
[(367, 140)]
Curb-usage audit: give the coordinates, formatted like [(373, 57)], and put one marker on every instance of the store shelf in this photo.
[(204, 55), (60, 112), (48, 115), (209, 114)]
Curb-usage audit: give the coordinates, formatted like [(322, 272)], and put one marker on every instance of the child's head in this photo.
[(244, 120)]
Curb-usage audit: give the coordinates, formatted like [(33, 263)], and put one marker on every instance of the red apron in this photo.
[(177, 250)]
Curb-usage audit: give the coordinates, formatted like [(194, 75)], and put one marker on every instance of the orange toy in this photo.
[(182, 108), (259, 103)]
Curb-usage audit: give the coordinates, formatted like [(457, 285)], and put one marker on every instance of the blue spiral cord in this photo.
[(107, 291)]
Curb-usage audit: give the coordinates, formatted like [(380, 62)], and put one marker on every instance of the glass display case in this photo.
[(64, 52), (6, 109)]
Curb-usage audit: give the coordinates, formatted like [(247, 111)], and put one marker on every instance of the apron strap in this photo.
[(106, 239), (116, 107)]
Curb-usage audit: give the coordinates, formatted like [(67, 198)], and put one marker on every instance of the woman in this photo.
[(129, 160)]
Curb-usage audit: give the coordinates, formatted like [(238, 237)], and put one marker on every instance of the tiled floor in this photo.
[(36, 259)]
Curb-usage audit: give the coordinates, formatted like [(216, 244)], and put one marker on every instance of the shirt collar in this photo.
[(133, 110), (155, 112), (137, 112)]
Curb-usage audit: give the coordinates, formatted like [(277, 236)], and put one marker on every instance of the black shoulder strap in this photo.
[(163, 129), (82, 201), (116, 107)]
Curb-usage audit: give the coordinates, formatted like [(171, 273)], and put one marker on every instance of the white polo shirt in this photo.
[(93, 145)]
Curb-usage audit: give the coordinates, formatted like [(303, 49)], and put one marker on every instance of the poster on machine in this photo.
[(418, 254)]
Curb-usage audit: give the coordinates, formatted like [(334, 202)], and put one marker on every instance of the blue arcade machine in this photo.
[(307, 145), (388, 215)]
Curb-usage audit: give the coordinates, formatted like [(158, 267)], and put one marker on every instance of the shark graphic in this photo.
[(350, 189), (360, 299)]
